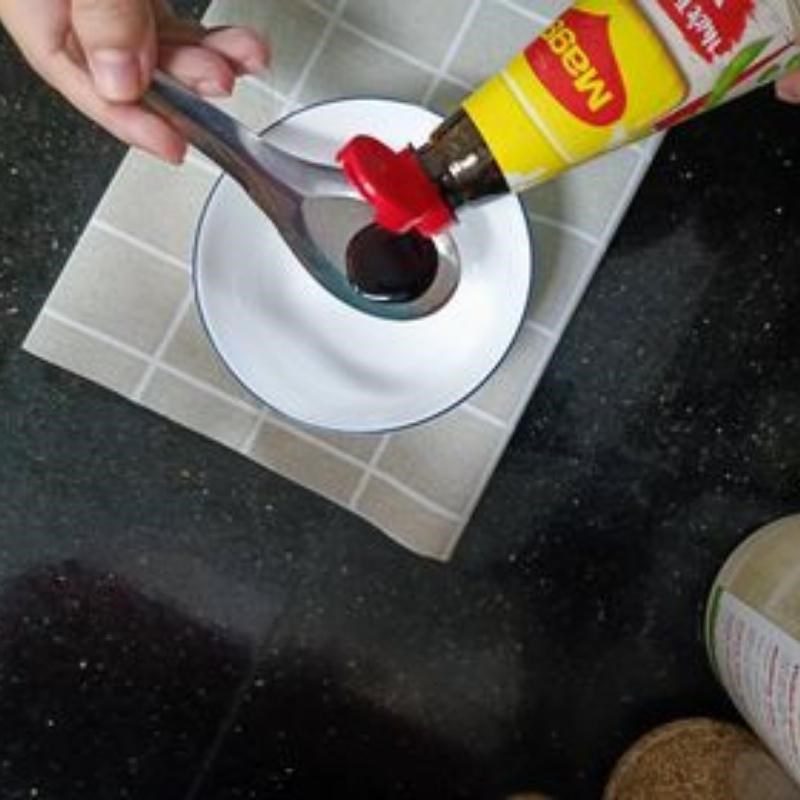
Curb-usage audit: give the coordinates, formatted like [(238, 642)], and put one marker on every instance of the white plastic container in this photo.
[(752, 633)]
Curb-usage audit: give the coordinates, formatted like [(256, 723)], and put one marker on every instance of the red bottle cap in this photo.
[(396, 186)]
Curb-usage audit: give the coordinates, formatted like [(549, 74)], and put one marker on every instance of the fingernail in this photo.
[(170, 155), (255, 65), (788, 90), (116, 74), (213, 89), (177, 158)]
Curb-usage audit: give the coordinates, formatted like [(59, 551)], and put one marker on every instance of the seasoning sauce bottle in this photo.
[(605, 73)]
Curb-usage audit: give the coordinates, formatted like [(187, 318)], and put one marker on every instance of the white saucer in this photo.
[(313, 358)]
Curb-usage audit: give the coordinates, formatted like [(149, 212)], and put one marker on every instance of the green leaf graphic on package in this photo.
[(728, 77)]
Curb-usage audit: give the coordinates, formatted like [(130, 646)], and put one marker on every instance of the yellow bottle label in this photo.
[(598, 77)]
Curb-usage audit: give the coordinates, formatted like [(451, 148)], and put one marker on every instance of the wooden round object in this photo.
[(528, 796), (701, 759)]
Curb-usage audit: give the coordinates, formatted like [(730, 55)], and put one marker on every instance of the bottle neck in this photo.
[(457, 158)]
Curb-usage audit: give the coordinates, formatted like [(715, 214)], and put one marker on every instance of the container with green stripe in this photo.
[(752, 632)]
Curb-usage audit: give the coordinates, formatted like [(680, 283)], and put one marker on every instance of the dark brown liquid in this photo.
[(392, 267)]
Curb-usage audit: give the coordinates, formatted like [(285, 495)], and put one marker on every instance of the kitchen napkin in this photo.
[(122, 313)]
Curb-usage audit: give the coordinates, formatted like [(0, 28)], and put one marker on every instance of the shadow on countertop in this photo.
[(107, 693)]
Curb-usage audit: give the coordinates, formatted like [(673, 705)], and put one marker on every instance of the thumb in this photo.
[(788, 87), (118, 38)]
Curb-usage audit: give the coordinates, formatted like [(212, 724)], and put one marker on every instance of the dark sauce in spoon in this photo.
[(391, 267)]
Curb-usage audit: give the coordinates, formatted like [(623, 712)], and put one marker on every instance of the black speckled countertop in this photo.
[(176, 622)]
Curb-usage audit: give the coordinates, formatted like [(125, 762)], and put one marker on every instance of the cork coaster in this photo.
[(698, 758)]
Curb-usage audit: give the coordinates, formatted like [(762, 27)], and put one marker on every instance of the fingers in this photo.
[(129, 122), (211, 64), (200, 69), (241, 46), (118, 39), (788, 87), (100, 54), (207, 61)]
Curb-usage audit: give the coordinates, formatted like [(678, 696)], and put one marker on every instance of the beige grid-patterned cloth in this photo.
[(122, 313)]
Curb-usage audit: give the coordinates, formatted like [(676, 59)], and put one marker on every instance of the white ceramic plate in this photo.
[(313, 358)]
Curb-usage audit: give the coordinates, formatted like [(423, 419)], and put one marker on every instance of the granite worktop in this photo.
[(176, 622)]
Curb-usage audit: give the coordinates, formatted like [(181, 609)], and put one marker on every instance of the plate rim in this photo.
[(532, 274)]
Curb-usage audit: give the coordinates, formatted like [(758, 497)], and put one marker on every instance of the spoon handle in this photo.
[(218, 135), (259, 166)]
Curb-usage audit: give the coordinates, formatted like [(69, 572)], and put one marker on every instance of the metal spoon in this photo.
[(313, 206)]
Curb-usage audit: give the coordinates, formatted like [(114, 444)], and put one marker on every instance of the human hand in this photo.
[(100, 55), (788, 87)]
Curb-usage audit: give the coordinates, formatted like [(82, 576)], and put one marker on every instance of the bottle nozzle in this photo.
[(404, 197)]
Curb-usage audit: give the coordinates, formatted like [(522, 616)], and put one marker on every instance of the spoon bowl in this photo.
[(313, 206)]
